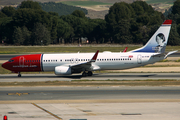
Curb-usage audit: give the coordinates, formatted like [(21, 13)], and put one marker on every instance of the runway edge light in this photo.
[(5, 117)]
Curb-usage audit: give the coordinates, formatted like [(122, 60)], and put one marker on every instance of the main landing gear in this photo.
[(89, 73), (19, 74)]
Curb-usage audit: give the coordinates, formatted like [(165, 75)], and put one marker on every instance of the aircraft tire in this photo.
[(90, 73), (84, 74)]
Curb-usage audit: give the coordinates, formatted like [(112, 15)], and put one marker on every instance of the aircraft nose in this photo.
[(4, 65)]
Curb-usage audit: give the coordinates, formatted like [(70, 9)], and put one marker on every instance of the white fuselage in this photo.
[(104, 61)]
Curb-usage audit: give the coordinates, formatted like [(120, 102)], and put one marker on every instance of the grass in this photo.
[(67, 49), (84, 3), (148, 82), (57, 49), (177, 60), (165, 60), (160, 66)]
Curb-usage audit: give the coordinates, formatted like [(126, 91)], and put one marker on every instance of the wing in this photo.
[(86, 65)]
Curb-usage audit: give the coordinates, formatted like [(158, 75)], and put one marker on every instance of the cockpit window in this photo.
[(11, 60)]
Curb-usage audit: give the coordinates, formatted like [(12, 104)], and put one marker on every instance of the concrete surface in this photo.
[(91, 103), (93, 111)]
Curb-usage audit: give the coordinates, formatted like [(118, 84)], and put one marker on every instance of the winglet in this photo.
[(95, 56), (125, 49)]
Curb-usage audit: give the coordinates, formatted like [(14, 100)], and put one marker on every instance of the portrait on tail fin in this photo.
[(160, 39)]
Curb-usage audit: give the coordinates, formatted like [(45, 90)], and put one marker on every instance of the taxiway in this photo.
[(96, 76), (90, 93)]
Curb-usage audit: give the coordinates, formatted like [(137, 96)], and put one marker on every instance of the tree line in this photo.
[(125, 23)]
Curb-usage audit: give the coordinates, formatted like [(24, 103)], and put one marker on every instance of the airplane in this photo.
[(70, 63)]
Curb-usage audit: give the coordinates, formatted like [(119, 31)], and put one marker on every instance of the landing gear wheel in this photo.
[(84, 74), (90, 73), (19, 74)]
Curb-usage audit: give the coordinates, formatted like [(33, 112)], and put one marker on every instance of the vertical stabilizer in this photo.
[(158, 42)]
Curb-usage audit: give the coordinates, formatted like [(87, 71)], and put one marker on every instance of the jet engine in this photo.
[(62, 70)]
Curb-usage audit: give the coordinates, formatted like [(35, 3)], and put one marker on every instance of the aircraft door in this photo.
[(74, 60), (21, 61), (139, 59)]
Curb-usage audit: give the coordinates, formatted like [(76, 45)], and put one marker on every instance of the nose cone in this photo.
[(5, 65)]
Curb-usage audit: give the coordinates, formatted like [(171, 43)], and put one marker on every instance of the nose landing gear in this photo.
[(19, 74)]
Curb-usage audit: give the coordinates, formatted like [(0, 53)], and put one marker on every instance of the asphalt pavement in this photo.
[(96, 76)]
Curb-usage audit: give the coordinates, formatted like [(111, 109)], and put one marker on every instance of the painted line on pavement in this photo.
[(47, 111)]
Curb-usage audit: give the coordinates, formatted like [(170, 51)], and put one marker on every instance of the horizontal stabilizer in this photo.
[(164, 55), (169, 53)]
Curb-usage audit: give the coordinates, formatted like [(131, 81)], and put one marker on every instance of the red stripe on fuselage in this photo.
[(24, 63)]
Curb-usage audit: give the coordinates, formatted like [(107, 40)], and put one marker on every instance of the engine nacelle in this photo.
[(62, 70)]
